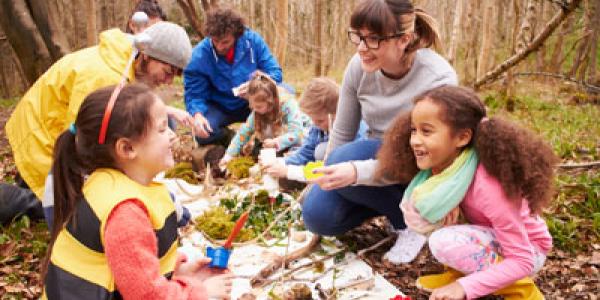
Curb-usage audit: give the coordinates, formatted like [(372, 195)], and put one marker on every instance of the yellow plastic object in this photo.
[(434, 281), (308, 169), (523, 289)]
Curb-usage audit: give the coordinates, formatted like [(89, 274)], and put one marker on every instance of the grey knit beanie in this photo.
[(169, 43)]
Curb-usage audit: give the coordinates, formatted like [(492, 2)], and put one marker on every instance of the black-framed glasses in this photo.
[(371, 41)]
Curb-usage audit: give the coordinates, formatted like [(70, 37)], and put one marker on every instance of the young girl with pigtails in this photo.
[(275, 120), (115, 228), (497, 174)]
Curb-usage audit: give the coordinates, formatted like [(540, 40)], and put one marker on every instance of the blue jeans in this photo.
[(336, 211), (218, 118)]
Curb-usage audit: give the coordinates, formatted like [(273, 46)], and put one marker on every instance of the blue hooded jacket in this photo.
[(210, 78)]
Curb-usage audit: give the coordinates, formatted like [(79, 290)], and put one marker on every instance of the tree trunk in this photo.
[(486, 40), (593, 69), (317, 52), (556, 59), (455, 35), (580, 64), (191, 13), (281, 30), (25, 38), (91, 22), (45, 17), (508, 90)]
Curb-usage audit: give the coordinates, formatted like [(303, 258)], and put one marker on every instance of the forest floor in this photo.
[(570, 272)]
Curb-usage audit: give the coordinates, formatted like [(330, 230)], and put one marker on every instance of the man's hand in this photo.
[(180, 115), (201, 126)]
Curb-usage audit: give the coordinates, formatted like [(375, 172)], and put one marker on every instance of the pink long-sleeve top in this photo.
[(131, 249), (516, 231)]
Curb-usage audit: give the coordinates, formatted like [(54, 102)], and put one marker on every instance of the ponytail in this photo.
[(395, 158), (426, 32), (67, 178), (520, 160)]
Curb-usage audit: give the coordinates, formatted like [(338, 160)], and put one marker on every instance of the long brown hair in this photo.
[(520, 160), (386, 17), (77, 155), (264, 89)]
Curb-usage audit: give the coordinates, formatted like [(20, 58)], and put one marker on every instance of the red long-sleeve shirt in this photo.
[(131, 249)]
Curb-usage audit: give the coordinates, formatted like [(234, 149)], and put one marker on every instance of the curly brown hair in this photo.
[(520, 160), (223, 21)]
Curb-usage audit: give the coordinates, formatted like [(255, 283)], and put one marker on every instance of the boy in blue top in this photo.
[(319, 102), (221, 64)]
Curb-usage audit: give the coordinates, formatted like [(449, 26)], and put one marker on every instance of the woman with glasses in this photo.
[(393, 64)]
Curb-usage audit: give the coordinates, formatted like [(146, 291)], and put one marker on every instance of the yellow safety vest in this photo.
[(78, 268)]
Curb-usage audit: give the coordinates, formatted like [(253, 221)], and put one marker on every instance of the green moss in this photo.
[(183, 170), (239, 167)]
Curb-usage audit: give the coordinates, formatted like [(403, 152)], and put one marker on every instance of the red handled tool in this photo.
[(236, 229)]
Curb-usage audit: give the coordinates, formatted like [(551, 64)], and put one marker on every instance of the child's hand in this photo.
[(275, 169), (185, 268), (335, 176), (271, 143), (219, 286), (201, 126), (223, 162), (453, 291)]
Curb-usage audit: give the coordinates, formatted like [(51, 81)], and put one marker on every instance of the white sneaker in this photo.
[(407, 247)]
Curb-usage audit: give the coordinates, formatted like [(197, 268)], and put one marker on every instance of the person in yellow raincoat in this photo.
[(51, 104)]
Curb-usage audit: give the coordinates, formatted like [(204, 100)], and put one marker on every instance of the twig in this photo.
[(303, 266), (560, 76), (362, 252), (273, 266), (592, 164)]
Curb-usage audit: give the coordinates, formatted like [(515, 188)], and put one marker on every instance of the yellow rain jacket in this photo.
[(52, 103)]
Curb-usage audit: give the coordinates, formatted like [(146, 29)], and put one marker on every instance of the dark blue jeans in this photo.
[(218, 118), (336, 211)]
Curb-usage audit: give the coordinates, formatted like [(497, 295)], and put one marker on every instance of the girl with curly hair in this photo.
[(497, 174), (275, 121)]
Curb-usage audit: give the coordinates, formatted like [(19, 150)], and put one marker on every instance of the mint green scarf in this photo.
[(435, 196)]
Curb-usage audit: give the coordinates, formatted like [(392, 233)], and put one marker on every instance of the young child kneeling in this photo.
[(497, 174), (319, 102), (275, 120), (115, 228)]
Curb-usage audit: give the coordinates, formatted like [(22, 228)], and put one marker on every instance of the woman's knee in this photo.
[(357, 150), (316, 216)]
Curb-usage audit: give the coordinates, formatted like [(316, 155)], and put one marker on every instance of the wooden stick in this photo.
[(591, 164), (362, 252), (302, 266), (277, 263)]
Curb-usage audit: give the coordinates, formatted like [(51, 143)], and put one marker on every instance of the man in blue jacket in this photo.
[(220, 66)]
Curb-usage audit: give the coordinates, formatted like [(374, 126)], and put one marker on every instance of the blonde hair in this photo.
[(263, 89), (321, 96)]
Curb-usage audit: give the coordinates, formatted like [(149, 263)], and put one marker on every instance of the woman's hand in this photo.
[(335, 176), (270, 143), (201, 126), (453, 291), (181, 116), (275, 169)]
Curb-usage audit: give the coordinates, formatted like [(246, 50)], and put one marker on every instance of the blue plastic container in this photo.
[(219, 256)]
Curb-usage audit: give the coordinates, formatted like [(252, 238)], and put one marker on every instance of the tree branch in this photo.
[(536, 43)]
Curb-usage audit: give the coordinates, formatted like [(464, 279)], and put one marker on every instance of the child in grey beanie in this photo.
[(168, 43)]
